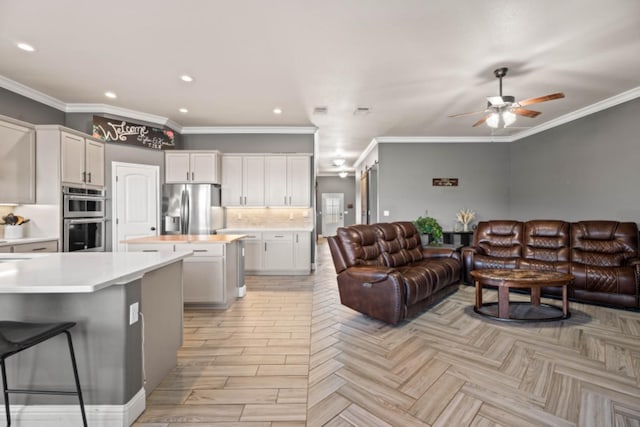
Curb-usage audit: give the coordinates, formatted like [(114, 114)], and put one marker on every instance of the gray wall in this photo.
[(335, 184), (250, 143), (406, 172), (586, 169), (28, 110)]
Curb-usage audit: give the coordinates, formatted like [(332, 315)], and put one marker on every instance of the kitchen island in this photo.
[(214, 275), (109, 295)]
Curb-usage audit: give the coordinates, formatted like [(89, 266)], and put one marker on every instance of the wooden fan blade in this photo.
[(525, 112), (467, 114), (481, 121), (541, 99)]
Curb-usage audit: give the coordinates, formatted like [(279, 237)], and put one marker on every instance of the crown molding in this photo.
[(297, 130), (124, 112), (440, 139), (33, 94), (373, 144), (578, 114)]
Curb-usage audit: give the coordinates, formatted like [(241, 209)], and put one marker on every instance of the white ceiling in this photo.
[(413, 62)]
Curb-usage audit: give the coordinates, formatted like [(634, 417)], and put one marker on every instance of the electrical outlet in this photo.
[(133, 313), (291, 215)]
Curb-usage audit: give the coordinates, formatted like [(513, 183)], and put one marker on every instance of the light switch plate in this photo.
[(385, 213), (133, 313)]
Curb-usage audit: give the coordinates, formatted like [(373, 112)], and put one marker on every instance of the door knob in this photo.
[(153, 229)]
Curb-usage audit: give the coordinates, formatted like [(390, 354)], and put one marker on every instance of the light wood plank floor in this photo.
[(289, 354)]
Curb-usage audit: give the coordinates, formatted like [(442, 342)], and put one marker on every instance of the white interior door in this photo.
[(332, 213), (135, 202)]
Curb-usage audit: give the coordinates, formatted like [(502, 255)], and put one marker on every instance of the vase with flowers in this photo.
[(465, 216)]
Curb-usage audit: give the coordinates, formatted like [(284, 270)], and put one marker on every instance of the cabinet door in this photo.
[(278, 251), (299, 181), (275, 179), (149, 247), (176, 167), (204, 168), (203, 280), (253, 255), (17, 164), (72, 157), (94, 163), (253, 181), (232, 181), (302, 251), (5, 249)]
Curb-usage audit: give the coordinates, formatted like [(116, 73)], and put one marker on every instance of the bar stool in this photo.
[(18, 336)]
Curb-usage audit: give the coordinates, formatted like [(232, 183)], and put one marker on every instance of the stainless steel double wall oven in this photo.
[(83, 219)]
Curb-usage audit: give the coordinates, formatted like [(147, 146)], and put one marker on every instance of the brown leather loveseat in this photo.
[(385, 273), (602, 255)]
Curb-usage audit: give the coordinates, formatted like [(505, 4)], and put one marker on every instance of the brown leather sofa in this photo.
[(602, 255), (385, 273)]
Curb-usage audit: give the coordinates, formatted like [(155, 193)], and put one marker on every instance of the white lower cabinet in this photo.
[(208, 276), (45, 246), (278, 251), (281, 252)]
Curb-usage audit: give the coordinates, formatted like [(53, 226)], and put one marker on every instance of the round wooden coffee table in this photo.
[(534, 311)]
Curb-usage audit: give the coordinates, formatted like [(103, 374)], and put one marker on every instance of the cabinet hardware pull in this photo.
[(84, 177), (296, 238), (240, 199), (38, 249), (278, 236), (289, 200), (245, 200), (265, 246), (89, 175), (187, 175), (200, 250), (149, 250), (285, 199), (193, 176)]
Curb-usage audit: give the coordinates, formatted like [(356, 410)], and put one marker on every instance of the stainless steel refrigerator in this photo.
[(191, 209)]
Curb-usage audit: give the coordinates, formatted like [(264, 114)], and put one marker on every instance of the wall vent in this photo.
[(320, 110), (362, 111)]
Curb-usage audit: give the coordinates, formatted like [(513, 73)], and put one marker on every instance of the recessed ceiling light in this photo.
[(183, 110), (186, 78), (277, 110), (26, 47), (110, 95)]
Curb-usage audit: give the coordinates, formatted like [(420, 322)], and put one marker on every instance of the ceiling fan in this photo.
[(504, 108)]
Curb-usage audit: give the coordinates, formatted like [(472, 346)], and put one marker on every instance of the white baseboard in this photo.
[(69, 415)]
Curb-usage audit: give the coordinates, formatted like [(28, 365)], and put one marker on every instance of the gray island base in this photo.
[(116, 371)]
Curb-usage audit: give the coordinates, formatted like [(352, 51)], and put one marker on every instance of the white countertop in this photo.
[(76, 272), (11, 242), (255, 229)]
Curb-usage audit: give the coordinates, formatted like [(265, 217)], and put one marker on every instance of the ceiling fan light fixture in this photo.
[(343, 174), (493, 120), (338, 162), (508, 117)]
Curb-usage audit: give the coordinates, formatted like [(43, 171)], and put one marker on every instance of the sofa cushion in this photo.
[(410, 241), (600, 251), (359, 245), (499, 239), (390, 247), (546, 245)]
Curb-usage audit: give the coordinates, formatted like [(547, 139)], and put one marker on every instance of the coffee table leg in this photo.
[(565, 302), (503, 302), (535, 296), (478, 295)]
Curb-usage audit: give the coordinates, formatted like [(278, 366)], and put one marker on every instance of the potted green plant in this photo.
[(429, 228)]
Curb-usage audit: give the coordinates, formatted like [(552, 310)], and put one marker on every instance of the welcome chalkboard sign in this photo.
[(112, 130)]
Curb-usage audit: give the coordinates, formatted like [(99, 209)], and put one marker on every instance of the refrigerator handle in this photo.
[(187, 212), (182, 212)]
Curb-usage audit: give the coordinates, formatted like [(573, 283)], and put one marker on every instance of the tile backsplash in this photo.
[(268, 217)]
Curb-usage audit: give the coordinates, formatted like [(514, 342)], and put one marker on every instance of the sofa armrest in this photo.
[(436, 252), (369, 273), (468, 253)]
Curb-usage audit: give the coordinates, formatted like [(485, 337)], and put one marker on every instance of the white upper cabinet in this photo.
[(242, 180), (82, 160), (17, 164), (287, 180), (192, 167)]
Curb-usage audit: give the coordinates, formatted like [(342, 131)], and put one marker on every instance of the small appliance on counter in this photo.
[(191, 209)]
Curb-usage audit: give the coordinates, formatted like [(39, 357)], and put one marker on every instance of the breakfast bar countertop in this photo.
[(77, 272), (187, 238)]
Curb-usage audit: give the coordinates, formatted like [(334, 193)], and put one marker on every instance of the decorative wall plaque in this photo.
[(119, 131), (445, 182)]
